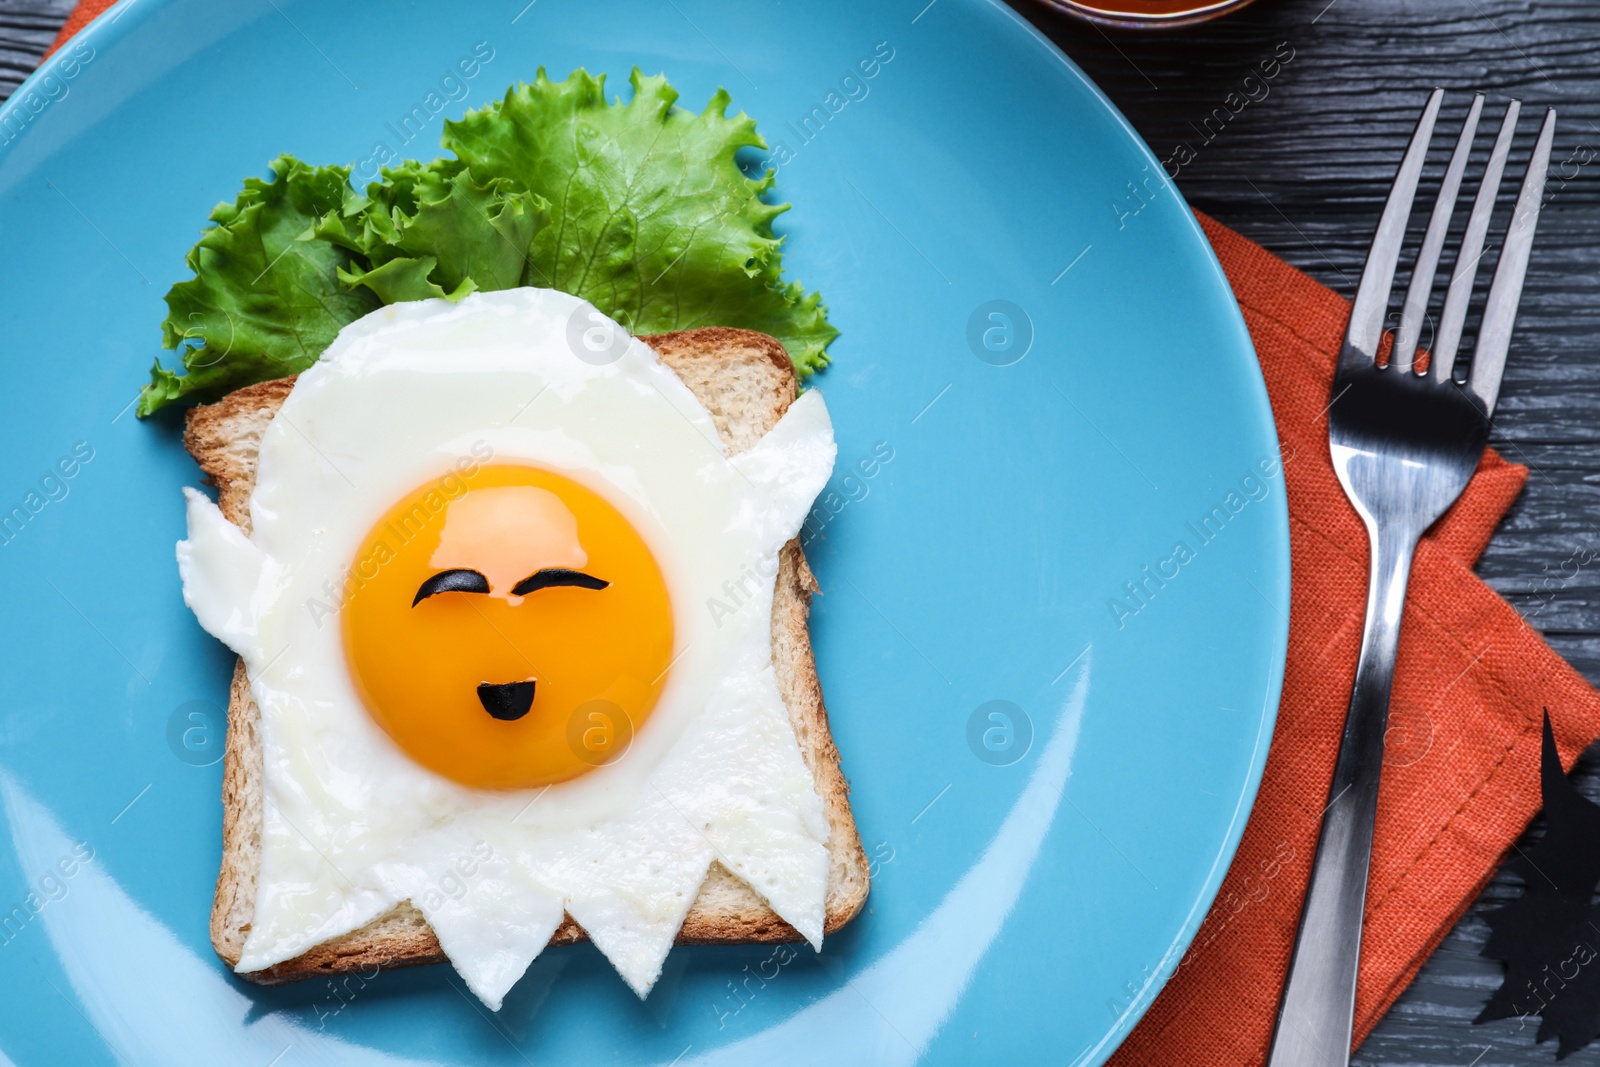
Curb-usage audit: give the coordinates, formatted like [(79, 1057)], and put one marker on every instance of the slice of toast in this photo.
[(746, 380)]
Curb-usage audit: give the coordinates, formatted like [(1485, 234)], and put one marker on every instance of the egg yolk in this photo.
[(507, 627)]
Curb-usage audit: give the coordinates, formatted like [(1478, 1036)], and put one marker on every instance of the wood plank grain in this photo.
[(26, 29)]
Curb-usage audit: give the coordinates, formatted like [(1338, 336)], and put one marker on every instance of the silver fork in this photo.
[(1404, 445)]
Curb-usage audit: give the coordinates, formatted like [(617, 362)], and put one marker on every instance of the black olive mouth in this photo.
[(506, 701)]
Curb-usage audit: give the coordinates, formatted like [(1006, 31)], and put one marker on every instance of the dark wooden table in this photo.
[(1302, 168)]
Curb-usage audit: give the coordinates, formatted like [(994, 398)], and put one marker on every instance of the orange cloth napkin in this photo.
[(81, 16), (1461, 778)]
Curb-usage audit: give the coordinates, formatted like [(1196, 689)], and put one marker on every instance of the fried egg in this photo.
[(476, 611)]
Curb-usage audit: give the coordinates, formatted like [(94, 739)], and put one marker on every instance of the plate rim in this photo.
[(1281, 584)]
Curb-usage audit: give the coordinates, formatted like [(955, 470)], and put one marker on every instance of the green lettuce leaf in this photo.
[(639, 208), (263, 303), (651, 219), (429, 230)]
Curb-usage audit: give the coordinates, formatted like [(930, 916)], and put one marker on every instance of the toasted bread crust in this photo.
[(746, 380)]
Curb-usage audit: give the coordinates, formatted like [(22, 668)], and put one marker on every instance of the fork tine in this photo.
[(1494, 336), (1405, 343), (1377, 277), (1465, 271)]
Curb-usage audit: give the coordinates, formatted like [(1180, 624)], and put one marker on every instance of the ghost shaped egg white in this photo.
[(473, 608)]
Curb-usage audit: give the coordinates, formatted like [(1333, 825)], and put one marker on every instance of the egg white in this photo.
[(352, 826)]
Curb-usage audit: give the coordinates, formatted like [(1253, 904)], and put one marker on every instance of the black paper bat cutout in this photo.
[(1549, 938)]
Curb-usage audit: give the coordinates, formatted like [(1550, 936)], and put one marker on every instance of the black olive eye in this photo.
[(452, 581), (557, 576)]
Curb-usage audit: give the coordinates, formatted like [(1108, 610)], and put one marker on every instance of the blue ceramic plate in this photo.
[(1054, 556)]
